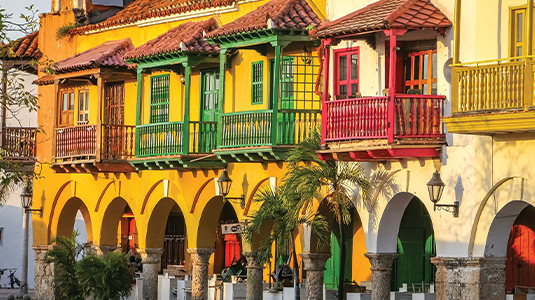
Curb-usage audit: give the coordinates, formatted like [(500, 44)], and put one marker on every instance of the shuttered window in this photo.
[(159, 99), (257, 88)]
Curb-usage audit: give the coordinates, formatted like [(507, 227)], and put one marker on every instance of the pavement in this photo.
[(6, 292)]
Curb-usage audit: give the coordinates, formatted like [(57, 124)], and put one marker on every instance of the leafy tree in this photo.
[(106, 277), (279, 210), (313, 177), (64, 257)]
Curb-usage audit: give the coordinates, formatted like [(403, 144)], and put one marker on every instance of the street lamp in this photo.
[(224, 182), (26, 202), (435, 187)]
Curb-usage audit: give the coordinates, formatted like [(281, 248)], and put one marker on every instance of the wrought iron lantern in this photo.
[(436, 187), (224, 182), (26, 201)]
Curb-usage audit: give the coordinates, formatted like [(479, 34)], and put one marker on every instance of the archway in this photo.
[(512, 236), (75, 215), (228, 245), (119, 215), (167, 229)]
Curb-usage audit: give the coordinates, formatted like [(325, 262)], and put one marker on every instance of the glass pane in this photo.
[(354, 66), (87, 101), (343, 90), (424, 89), (217, 81), (342, 68), (216, 100), (71, 102), (434, 62), (426, 66), (519, 27), (354, 88), (518, 51), (434, 89), (416, 66), (407, 66), (65, 102)]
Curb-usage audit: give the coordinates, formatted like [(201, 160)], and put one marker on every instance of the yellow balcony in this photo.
[(493, 97)]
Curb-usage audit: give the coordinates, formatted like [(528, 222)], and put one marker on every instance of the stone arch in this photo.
[(158, 222), (112, 216), (67, 217), (500, 229), (206, 233)]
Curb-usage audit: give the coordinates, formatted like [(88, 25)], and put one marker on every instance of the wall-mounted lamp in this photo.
[(435, 187), (305, 55), (224, 182), (26, 202)]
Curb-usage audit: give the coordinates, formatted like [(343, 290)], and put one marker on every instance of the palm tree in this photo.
[(64, 258), (279, 210), (312, 177), (106, 277)]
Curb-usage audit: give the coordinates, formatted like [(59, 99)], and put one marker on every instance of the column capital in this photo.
[(315, 261), (381, 261), (252, 260), (150, 255), (200, 256)]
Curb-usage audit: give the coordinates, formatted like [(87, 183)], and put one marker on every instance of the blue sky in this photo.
[(18, 6)]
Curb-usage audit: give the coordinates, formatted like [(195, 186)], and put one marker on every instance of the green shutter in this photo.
[(257, 86), (159, 99)]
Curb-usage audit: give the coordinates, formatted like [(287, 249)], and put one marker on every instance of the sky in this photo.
[(18, 6)]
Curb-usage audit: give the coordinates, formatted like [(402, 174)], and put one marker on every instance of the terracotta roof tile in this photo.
[(25, 47), (108, 54), (139, 10), (45, 80), (284, 14), (385, 14), (187, 37)]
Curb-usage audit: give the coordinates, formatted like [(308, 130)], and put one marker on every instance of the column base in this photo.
[(381, 274), (150, 258), (314, 265)]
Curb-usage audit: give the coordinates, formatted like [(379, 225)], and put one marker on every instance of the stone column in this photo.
[(381, 274), (199, 284), (44, 275), (254, 276), (102, 249), (314, 264), (150, 258), (470, 277)]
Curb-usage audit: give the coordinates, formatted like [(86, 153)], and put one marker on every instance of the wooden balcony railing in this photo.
[(414, 116), (160, 139), (244, 129), (80, 142), (493, 85), (296, 125), (203, 136), (19, 143)]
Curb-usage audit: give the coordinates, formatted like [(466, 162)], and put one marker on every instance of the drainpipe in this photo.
[(4, 105)]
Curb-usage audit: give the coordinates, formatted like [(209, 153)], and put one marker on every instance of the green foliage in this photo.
[(107, 277), (64, 30), (64, 256), (27, 22)]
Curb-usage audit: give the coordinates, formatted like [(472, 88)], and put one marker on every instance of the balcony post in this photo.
[(98, 146), (325, 95), (392, 81), (138, 107), (185, 129), (57, 117), (276, 93), (221, 100)]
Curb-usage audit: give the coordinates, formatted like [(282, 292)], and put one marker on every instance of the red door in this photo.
[(520, 267), (232, 249)]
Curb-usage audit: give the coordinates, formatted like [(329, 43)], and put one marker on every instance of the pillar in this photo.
[(381, 274), (101, 250), (150, 258), (470, 277), (44, 275), (314, 265), (255, 276), (199, 284)]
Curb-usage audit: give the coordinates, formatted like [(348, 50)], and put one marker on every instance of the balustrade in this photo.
[(118, 141), (160, 139), (19, 143), (243, 129)]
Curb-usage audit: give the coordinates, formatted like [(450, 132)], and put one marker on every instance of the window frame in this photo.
[(257, 83), (418, 83), (83, 111), (348, 52), (61, 111), (153, 105)]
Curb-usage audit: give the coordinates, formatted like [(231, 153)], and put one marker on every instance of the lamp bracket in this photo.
[(237, 200), (452, 208), (38, 212)]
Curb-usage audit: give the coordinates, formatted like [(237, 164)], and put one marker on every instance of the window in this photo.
[(159, 99), (83, 107), (346, 73), (257, 86), (66, 114), (421, 72), (518, 32)]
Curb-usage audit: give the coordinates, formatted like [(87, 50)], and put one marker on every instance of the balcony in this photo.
[(493, 97), (253, 136), (19, 144), (86, 149), (373, 129), (164, 146)]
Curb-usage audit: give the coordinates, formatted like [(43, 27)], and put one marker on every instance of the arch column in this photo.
[(470, 277), (381, 274), (44, 275), (254, 276), (101, 250), (150, 258), (199, 284), (314, 264)]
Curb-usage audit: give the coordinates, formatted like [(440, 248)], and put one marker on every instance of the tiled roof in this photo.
[(109, 54), (139, 10), (281, 14), (187, 37), (386, 14), (25, 47), (45, 80)]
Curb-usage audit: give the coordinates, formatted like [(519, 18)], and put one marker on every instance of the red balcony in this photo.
[(373, 128)]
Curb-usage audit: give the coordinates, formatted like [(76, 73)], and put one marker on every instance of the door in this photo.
[(66, 115), (209, 110), (332, 272), (113, 133), (174, 249)]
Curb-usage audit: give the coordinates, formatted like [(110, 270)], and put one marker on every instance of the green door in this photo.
[(286, 119), (209, 110), (332, 272)]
